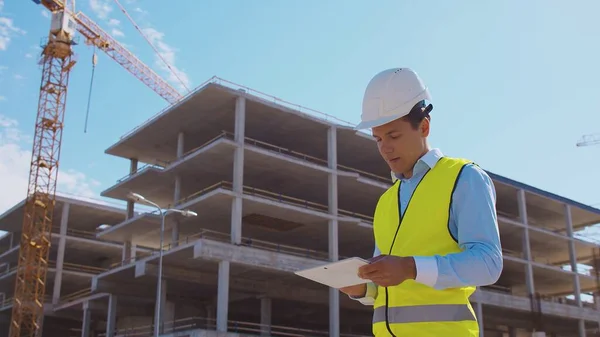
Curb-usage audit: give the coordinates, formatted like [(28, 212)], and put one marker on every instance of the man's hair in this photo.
[(416, 115)]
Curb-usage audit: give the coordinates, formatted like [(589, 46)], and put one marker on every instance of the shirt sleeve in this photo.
[(371, 293), (474, 225)]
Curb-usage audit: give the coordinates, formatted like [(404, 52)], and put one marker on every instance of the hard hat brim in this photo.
[(376, 122)]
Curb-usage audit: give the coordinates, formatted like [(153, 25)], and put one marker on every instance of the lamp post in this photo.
[(163, 212)]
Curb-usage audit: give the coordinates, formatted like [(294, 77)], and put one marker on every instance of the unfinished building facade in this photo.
[(276, 190)]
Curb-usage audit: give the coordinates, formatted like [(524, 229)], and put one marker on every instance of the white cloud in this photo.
[(168, 54), (113, 22), (117, 33), (45, 13), (7, 31), (101, 8), (140, 10), (15, 151), (2, 98), (19, 77)]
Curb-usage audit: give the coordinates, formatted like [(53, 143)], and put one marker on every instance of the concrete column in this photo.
[(163, 306), (60, 256), (86, 320), (177, 193), (238, 170), (12, 240), (526, 244), (265, 316), (210, 316), (479, 309), (133, 167), (168, 315), (111, 317), (581, 327), (180, 144), (573, 255), (128, 253), (177, 190), (175, 234), (334, 294), (176, 198), (223, 296)]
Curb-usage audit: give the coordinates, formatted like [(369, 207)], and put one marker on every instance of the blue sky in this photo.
[(514, 83)]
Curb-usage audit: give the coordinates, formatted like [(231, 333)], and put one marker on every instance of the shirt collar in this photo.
[(426, 162)]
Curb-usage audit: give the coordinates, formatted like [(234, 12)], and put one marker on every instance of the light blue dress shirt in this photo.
[(473, 222)]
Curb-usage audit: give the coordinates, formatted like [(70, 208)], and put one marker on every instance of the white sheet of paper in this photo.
[(337, 274)]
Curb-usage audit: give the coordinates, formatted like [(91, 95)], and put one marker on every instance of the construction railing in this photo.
[(278, 197), (75, 296), (80, 268), (138, 256), (66, 266), (5, 303), (140, 169), (246, 241), (201, 323), (261, 95), (270, 147)]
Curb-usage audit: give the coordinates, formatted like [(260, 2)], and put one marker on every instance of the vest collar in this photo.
[(426, 162)]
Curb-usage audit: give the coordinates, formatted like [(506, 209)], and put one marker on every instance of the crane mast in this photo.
[(57, 61)]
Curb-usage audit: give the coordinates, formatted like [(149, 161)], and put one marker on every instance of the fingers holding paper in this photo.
[(388, 270)]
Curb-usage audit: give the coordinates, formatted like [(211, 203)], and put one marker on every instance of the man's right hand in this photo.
[(358, 290)]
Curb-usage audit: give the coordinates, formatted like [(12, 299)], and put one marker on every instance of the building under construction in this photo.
[(275, 189)]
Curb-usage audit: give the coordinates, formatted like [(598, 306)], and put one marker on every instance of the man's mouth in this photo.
[(393, 160)]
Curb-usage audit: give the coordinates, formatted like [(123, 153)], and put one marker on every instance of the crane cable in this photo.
[(151, 45), (94, 61)]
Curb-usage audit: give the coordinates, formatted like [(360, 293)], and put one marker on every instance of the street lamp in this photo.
[(163, 212)]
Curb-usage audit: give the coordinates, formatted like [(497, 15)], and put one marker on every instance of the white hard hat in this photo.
[(390, 95)]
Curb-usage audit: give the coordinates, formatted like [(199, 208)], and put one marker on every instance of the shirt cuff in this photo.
[(427, 270), (369, 297)]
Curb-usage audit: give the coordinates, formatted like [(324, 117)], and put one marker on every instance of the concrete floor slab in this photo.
[(546, 247), (269, 222), (89, 214), (266, 167)]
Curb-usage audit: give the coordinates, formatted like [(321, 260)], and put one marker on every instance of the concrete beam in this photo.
[(270, 288), (123, 288), (214, 250), (524, 304)]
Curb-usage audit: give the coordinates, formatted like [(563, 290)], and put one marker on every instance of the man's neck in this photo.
[(408, 174)]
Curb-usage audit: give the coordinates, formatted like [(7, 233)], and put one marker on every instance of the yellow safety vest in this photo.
[(413, 309)]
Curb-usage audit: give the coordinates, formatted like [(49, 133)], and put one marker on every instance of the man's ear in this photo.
[(424, 127)]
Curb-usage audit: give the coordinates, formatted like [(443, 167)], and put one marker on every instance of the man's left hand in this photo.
[(388, 270)]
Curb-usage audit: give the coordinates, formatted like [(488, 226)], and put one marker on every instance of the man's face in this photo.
[(400, 145)]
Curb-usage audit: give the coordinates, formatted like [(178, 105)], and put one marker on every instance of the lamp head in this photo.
[(136, 196), (188, 213)]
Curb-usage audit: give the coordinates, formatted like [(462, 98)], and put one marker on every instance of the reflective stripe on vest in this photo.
[(425, 313), (414, 309)]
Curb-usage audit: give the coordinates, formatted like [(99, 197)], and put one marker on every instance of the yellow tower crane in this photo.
[(57, 62)]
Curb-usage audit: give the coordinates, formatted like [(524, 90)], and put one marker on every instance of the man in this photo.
[(436, 232)]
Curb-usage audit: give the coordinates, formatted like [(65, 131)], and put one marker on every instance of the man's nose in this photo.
[(386, 148)]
